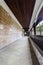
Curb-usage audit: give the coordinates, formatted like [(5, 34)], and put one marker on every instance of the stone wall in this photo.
[(10, 31)]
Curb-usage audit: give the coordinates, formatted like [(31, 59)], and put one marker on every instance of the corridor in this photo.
[(21, 27)]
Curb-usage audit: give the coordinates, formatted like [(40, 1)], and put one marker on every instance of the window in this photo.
[(39, 28)]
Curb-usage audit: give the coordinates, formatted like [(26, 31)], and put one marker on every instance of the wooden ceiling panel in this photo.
[(22, 9)]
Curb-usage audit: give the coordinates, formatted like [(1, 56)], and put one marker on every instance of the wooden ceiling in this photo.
[(22, 9)]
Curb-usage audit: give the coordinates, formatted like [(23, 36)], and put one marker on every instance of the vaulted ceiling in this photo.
[(22, 9)]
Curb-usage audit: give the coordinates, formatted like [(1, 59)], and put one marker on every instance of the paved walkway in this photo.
[(17, 53)]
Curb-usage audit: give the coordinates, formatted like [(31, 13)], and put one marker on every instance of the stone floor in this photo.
[(17, 53)]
